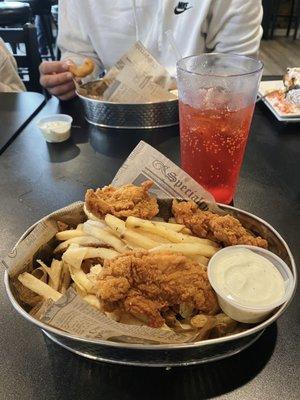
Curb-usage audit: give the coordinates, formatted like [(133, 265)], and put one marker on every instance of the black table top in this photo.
[(15, 113), (37, 178)]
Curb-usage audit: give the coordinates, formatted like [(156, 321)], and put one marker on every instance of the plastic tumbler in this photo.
[(217, 94)]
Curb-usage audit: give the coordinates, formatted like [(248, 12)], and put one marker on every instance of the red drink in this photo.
[(212, 145)]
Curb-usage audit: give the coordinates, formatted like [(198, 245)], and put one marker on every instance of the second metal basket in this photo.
[(130, 116)]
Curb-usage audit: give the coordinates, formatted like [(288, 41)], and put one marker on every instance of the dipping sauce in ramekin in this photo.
[(249, 281)]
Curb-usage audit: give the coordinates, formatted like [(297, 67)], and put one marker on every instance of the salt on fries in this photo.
[(101, 240)]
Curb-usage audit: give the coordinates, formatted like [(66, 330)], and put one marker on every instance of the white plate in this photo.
[(269, 86)]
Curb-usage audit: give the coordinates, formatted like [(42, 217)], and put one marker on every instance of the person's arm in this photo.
[(74, 45), (9, 78), (234, 27)]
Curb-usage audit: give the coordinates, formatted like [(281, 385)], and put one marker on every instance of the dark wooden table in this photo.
[(37, 178), (16, 111)]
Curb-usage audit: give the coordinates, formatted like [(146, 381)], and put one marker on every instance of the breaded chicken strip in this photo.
[(224, 228), (145, 285), (125, 201)]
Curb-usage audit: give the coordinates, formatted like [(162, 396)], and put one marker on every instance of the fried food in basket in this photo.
[(122, 202), (137, 269), (224, 228), (144, 285), (83, 70)]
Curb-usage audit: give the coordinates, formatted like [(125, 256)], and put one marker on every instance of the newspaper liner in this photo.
[(137, 77), (71, 313), (133, 86)]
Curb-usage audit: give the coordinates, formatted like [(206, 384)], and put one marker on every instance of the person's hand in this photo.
[(56, 78)]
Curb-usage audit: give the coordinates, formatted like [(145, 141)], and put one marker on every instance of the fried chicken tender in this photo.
[(122, 202), (224, 228), (147, 285)]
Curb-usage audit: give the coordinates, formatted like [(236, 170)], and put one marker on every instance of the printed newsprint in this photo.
[(135, 87), (137, 77), (145, 63), (170, 181)]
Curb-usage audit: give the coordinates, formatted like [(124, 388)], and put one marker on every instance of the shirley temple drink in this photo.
[(216, 101)]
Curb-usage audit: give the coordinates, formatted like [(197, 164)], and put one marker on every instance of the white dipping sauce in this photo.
[(248, 278), (56, 131)]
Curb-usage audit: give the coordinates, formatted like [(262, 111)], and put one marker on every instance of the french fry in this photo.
[(188, 249), (90, 215), (65, 278), (116, 224), (93, 301), (152, 236), (205, 330), (38, 286), (81, 241), (56, 267), (74, 256), (175, 237), (100, 252), (104, 236), (54, 272), (80, 290), (96, 269), (80, 279), (129, 235), (138, 239), (170, 225), (200, 259), (40, 274), (70, 234), (186, 231)]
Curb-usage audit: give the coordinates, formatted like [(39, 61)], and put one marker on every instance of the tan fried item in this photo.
[(83, 70), (122, 202), (144, 285), (224, 228)]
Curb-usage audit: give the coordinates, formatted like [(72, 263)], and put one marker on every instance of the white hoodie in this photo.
[(105, 29)]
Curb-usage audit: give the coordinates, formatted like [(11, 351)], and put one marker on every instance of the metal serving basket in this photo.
[(130, 116), (171, 355)]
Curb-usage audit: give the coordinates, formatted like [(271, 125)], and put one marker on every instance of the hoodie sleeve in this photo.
[(73, 41), (235, 26)]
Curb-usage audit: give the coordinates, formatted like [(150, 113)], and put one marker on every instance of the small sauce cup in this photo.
[(250, 313), (55, 128)]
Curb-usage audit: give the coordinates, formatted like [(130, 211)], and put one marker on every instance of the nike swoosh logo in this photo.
[(180, 10)]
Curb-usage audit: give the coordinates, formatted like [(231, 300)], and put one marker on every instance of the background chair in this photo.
[(273, 11), (14, 13), (40, 9), (28, 64), (294, 19)]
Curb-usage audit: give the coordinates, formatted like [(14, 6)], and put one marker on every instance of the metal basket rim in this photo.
[(114, 104), (168, 347)]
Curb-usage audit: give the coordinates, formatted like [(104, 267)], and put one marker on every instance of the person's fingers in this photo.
[(62, 89), (68, 96), (50, 67), (50, 81)]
